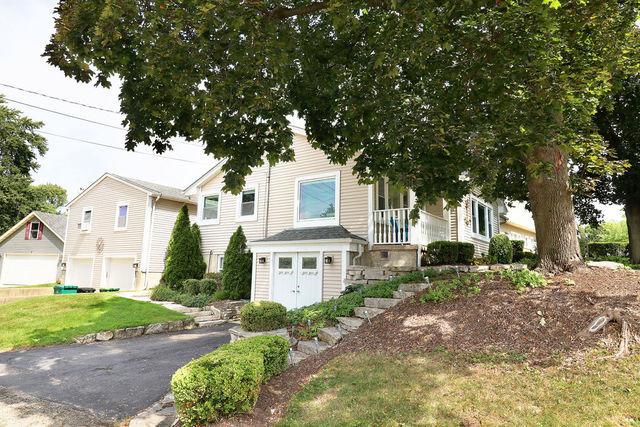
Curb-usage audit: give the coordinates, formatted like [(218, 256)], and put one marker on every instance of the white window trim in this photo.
[(246, 218), (317, 222), (219, 264), (488, 219), (82, 227), (31, 229), (126, 221), (203, 221)]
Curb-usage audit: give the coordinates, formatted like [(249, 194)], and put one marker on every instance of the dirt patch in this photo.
[(542, 325)]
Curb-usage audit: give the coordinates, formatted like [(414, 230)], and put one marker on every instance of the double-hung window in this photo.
[(85, 221), (317, 200), (247, 208), (122, 216), (481, 219), (33, 230), (210, 208)]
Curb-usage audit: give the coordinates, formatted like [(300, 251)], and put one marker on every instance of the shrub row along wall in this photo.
[(227, 381), (444, 252)]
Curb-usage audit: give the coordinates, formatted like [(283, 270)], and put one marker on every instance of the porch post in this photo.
[(370, 227), (414, 229)]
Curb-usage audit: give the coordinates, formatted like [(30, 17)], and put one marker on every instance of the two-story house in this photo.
[(307, 220), (117, 232)]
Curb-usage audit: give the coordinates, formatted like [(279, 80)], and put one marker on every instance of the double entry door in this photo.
[(297, 279)]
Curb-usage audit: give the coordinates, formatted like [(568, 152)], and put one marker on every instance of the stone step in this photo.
[(413, 287), (200, 319), (180, 308), (331, 335), (369, 312), (201, 313), (209, 323), (296, 356), (381, 302), (403, 294), (312, 347), (350, 323)]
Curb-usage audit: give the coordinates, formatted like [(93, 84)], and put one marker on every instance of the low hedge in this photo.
[(443, 252), (191, 286), (227, 381), (500, 249), (518, 250), (607, 249), (259, 316)]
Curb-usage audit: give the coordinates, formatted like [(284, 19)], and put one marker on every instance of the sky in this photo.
[(25, 28)]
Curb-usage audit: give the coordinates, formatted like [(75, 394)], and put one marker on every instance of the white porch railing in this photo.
[(393, 226)]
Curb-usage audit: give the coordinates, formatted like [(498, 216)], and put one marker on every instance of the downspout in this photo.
[(146, 273), (266, 208), (209, 263)]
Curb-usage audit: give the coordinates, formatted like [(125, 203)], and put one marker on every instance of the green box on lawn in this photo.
[(65, 289)]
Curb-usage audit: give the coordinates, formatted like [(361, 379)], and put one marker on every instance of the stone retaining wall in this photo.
[(136, 331)]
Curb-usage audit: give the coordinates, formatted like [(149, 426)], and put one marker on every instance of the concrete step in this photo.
[(350, 323), (199, 319), (381, 302), (403, 294), (209, 323), (331, 335), (201, 313), (413, 287), (296, 356), (312, 347), (180, 308), (367, 312)]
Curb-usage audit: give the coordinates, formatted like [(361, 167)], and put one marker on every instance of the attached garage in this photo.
[(29, 269), (79, 271), (119, 273)]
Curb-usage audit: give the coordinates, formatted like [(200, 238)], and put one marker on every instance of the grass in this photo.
[(58, 319), (442, 389)]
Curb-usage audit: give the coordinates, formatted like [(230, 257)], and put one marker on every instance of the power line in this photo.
[(66, 115), (115, 148), (59, 99)]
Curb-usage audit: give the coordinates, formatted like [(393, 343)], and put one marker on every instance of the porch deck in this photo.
[(395, 227)]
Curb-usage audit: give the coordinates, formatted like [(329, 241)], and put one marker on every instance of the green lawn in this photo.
[(57, 319), (439, 389)]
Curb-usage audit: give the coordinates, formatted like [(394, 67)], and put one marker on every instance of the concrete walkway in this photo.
[(108, 381)]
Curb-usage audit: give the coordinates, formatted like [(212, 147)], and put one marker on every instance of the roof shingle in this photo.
[(312, 233)]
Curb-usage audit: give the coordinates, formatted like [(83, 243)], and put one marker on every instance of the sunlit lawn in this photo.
[(439, 389), (56, 319)]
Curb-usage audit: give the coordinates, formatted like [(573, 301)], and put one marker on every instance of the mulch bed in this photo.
[(496, 320)]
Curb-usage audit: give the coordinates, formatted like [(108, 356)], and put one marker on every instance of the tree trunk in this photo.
[(632, 212), (552, 208)]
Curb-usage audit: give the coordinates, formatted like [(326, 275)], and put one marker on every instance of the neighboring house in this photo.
[(517, 231), (307, 220), (118, 231), (30, 251)]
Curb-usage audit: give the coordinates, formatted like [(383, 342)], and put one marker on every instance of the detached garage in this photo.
[(31, 250)]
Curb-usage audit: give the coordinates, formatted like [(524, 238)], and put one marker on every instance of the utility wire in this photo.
[(59, 99), (65, 114), (115, 148)]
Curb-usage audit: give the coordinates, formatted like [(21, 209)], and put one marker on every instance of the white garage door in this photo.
[(79, 271), (120, 273), (29, 269)]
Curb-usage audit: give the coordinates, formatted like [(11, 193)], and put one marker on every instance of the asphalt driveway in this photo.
[(111, 380)]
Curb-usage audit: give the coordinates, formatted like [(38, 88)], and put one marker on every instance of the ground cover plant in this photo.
[(58, 319)]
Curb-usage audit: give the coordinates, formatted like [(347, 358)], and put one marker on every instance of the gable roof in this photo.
[(151, 188), (218, 166), (332, 232), (57, 223)]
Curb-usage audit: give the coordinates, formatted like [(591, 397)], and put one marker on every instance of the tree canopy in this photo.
[(438, 96), (20, 146)]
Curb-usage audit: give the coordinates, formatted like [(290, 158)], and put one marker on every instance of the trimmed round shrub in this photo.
[(189, 300), (209, 286), (500, 249), (466, 251), (518, 250), (259, 316), (217, 384), (274, 351), (163, 293), (213, 275), (191, 286)]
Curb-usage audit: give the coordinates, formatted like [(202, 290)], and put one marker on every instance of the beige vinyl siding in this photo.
[(482, 246), (332, 276), (164, 218), (261, 291), (17, 244), (104, 198), (453, 224)]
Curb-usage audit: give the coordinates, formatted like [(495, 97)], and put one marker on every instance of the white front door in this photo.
[(79, 272), (29, 269), (120, 273), (284, 280), (297, 279)]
